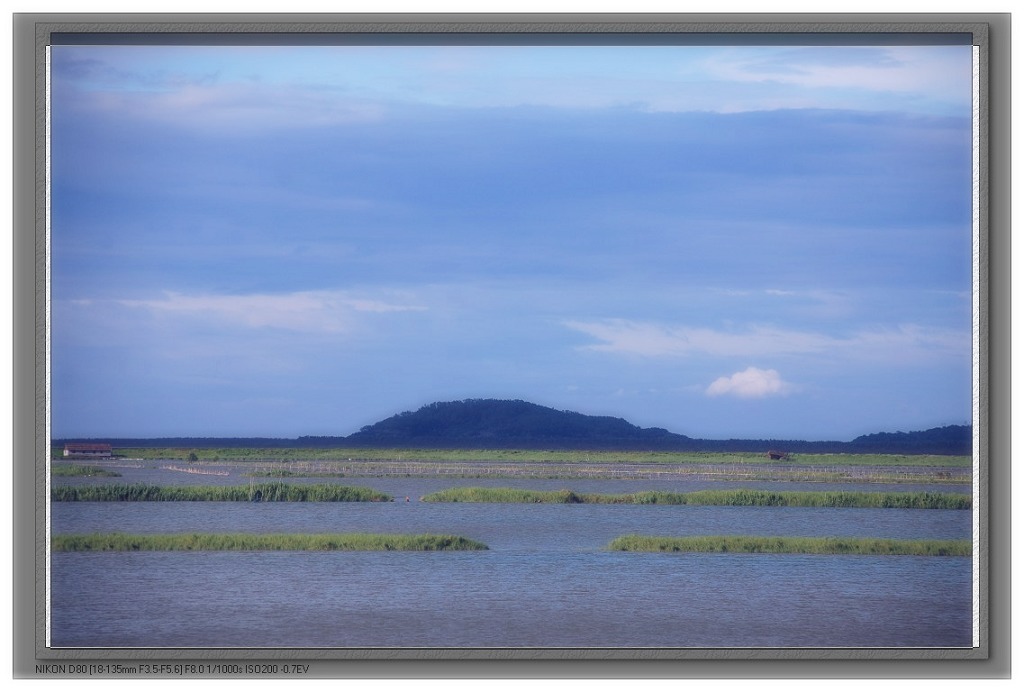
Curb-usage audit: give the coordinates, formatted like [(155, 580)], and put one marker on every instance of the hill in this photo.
[(500, 424), (950, 437), (515, 424)]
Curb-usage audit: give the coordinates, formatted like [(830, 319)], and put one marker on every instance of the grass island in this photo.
[(732, 498), (791, 545), (101, 542)]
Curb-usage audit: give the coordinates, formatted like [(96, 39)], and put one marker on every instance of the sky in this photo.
[(723, 241)]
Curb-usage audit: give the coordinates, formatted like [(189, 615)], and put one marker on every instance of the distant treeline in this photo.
[(502, 424)]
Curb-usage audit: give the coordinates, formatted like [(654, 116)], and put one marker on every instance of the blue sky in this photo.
[(721, 241)]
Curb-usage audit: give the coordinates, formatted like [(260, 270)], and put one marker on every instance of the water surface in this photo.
[(547, 580)]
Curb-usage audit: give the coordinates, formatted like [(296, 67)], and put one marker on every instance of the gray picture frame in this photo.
[(32, 659)]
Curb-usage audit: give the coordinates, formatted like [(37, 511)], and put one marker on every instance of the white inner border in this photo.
[(976, 332), (46, 271), (976, 328)]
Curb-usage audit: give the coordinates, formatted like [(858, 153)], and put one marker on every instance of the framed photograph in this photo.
[(667, 343)]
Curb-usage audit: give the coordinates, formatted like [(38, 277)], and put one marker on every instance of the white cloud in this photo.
[(246, 89), (903, 343), (239, 108), (648, 339), (942, 73), (303, 311), (752, 383)]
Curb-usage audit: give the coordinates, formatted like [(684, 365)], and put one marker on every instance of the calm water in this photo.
[(545, 582)]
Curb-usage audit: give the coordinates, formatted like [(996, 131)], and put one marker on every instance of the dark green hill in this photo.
[(502, 424), (950, 437)]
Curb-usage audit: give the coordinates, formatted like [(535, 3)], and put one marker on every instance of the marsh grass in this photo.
[(81, 470), (779, 544), (531, 456), (264, 492), (260, 542), (731, 498)]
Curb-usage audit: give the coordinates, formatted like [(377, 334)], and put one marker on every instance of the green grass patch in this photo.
[(266, 542), (532, 455), (264, 492), (81, 470), (731, 498), (792, 545)]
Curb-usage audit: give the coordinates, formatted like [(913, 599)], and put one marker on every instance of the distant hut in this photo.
[(87, 450), (777, 456)]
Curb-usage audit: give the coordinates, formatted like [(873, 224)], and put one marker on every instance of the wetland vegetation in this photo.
[(260, 542), (733, 498), (306, 462), (532, 456), (798, 545), (263, 492), (81, 470)]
